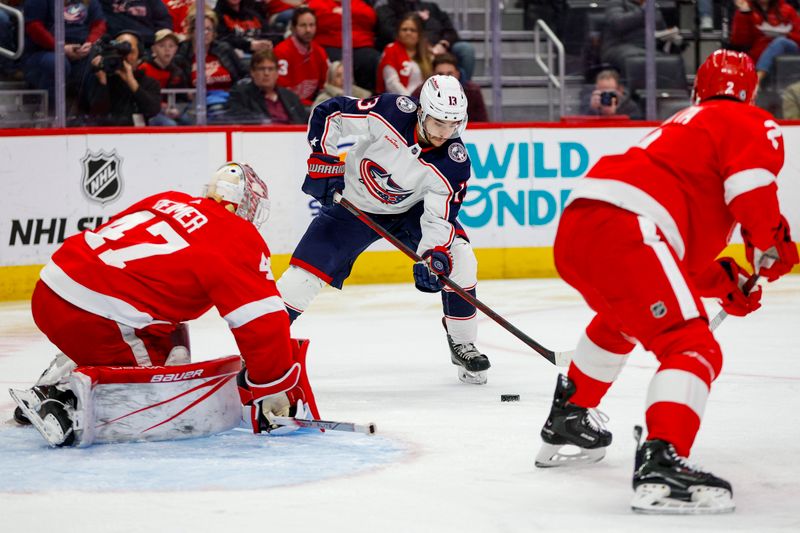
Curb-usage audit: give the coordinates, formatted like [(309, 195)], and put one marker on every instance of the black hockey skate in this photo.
[(472, 364), (570, 426), (52, 417), (666, 483), (40, 393)]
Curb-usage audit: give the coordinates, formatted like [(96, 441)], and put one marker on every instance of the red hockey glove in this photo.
[(325, 177), (289, 395), (725, 280), (776, 260), (435, 262)]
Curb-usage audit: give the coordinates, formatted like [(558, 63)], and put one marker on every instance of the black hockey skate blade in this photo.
[(509, 397)]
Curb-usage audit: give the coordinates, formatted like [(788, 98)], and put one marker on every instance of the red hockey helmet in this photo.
[(726, 73)]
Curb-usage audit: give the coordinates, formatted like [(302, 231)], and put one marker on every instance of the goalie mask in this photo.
[(726, 73), (443, 98), (237, 187)]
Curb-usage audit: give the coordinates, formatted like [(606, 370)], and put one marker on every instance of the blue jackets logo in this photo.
[(380, 184)]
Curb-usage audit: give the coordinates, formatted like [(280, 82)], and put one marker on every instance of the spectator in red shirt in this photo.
[(406, 62), (302, 63), (329, 35), (241, 26), (765, 29), (260, 100), (169, 75), (179, 10)]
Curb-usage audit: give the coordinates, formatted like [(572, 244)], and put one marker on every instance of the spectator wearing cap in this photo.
[(259, 99), (145, 17), (241, 26), (329, 35), (302, 63), (126, 96), (447, 65), (84, 24), (163, 68)]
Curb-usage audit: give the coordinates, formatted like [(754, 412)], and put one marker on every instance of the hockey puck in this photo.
[(509, 397)]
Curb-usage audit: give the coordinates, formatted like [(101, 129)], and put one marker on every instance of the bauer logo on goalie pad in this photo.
[(102, 179), (164, 378), (658, 309)]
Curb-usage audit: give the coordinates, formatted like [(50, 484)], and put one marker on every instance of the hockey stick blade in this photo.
[(550, 355), (367, 429)]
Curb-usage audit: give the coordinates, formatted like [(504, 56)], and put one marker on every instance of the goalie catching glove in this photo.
[(289, 395), (777, 259), (325, 177), (725, 280), (435, 262)]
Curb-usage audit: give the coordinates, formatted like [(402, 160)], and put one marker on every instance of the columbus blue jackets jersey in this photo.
[(387, 171)]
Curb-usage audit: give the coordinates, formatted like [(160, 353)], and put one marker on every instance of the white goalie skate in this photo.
[(52, 418)]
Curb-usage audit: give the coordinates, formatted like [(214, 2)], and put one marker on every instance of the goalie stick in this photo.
[(367, 429), (557, 358)]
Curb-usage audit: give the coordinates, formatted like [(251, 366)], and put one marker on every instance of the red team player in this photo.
[(114, 297), (639, 239)]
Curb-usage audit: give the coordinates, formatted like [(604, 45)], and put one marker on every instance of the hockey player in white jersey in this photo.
[(408, 170)]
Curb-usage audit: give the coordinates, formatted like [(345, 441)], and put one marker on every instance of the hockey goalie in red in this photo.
[(115, 301), (639, 240)]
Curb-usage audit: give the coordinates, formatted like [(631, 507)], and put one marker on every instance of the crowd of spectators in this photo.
[(133, 62), (397, 44)]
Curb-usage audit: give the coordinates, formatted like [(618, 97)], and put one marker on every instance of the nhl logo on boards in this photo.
[(102, 180), (658, 309), (406, 104), (457, 152)]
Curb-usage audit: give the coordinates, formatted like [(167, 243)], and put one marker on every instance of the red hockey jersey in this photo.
[(169, 258), (700, 172), (303, 73)]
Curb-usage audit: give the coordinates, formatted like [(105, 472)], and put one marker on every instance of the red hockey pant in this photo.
[(631, 277), (91, 340)]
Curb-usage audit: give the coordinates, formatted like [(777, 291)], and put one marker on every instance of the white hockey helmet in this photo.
[(238, 187), (443, 97)]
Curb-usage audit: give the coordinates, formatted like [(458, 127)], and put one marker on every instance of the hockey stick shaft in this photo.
[(367, 429), (723, 314), (557, 358)]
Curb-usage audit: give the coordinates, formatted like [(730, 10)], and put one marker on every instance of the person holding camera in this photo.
[(609, 98), (84, 24), (123, 95)]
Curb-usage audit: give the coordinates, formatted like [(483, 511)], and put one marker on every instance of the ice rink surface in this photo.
[(448, 457)]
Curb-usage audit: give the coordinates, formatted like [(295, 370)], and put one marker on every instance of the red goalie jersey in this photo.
[(192, 249), (706, 168)]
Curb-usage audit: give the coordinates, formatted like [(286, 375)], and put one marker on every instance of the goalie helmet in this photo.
[(443, 97), (726, 73), (241, 191)]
